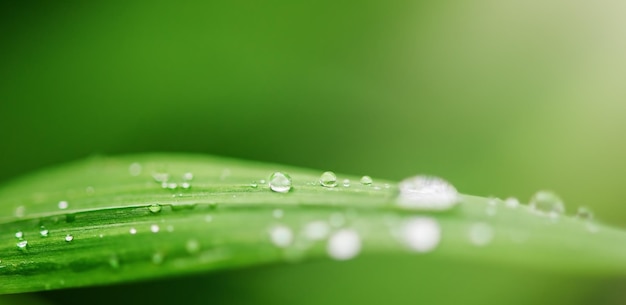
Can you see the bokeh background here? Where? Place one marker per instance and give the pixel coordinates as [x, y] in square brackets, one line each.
[501, 98]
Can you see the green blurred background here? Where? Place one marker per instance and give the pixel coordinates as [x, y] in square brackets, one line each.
[502, 98]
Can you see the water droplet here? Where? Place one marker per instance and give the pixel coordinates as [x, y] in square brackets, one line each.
[155, 208]
[185, 185]
[132, 231]
[161, 177]
[172, 185]
[547, 202]
[20, 211]
[157, 258]
[328, 179]
[584, 213]
[22, 244]
[254, 184]
[511, 202]
[192, 246]
[69, 238]
[262, 181]
[280, 182]
[346, 182]
[154, 228]
[316, 230]
[278, 213]
[344, 244]
[19, 234]
[281, 236]
[63, 205]
[134, 169]
[421, 234]
[480, 234]
[43, 232]
[366, 180]
[426, 192]
[188, 176]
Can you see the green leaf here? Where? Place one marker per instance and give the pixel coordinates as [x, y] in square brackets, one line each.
[224, 221]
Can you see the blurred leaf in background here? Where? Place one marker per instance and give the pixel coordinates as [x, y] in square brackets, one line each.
[500, 97]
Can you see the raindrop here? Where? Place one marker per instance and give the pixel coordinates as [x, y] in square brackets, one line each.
[69, 238]
[584, 213]
[281, 236]
[328, 179]
[192, 246]
[280, 182]
[63, 205]
[511, 202]
[278, 213]
[316, 230]
[155, 208]
[346, 182]
[134, 169]
[188, 176]
[480, 234]
[344, 244]
[547, 202]
[22, 244]
[262, 181]
[43, 232]
[254, 184]
[19, 234]
[421, 234]
[132, 231]
[185, 185]
[154, 228]
[366, 180]
[172, 185]
[426, 192]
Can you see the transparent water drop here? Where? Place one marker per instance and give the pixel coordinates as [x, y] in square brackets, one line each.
[154, 228]
[22, 244]
[421, 234]
[192, 246]
[63, 205]
[511, 202]
[316, 230]
[69, 238]
[132, 231]
[161, 177]
[164, 185]
[328, 179]
[281, 236]
[344, 244]
[547, 202]
[185, 185]
[366, 180]
[254, 184]
[346, 182]
[480, 234]
[262, 181]
[155, 208]
[584, 213]
[278, 213]
[19, 234]
[172, 185]
[427, 193]
[20, 211]
[188, 176]
[43, 231]
[280, 182]
[134, 169]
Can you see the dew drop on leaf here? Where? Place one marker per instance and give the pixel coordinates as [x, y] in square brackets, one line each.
[43, 232]
[328, 179]
[22, 245]
[63, 205]
[132, 231]
[344, 244]
[154, 228]
[69, 238]
[155, 208]
[316, 230]
[511, 202]
[281, 236]
[188, 176]
[346, 182]
[19, 234]
[421, 234]
[366, 180]
[427, 193]
[584, 213]
[547, 202]
[280, 182]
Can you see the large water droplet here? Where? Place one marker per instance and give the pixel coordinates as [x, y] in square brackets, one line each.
[280, 182]
[426, 192]
[22, 244]
[281, 236]
[584, 213]
[480, 234]
[155, 208]
[63, 205]
[421, 234]
[344, 244]
[366, 180]
[19, 234]
[69, 238]
[328, 179]
[547, 202]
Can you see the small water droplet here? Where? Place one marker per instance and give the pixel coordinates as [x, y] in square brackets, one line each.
[480, 234]
[584, 213]
[154, 228]
[69, 238]
[22, 244]
[421, 234]
[281, 236]
[511, 202]
[63, 205]
[278, 213]
[154, 208]
[344, 244]
[20, 211]
[157, 258]
[428, 193]
[547, 202]
[43, 231]
[161, 177]
[316, 230]
[185, 185]
[346, 182]
[172, 185]
[328, 179]
[132, 231]
[366, 180]
[188, 176]
[254, 184]
[192, 246]
[134, 169]
[280, 182]
[19, 234]
[262, 181]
